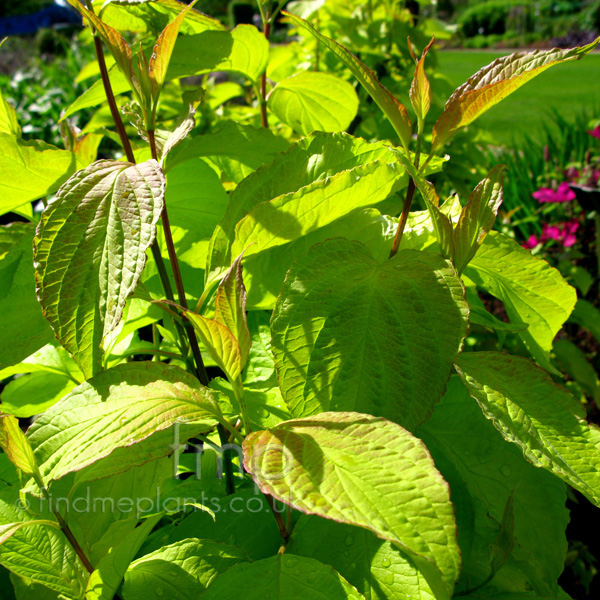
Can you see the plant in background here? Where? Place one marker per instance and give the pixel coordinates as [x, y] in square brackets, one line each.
[256, 299]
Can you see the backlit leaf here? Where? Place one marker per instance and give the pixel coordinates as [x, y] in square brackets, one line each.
[358, 469]
[495, 82]
[538, 415]
[350, 333]
[532, 291]
[8, 118]
[163, 49]
[420, 89]
[281, 577]
[92, 241]
[387, 102]
[478, 217]
[120, 409]
[15, 445]
[311, 101]
[31, 170]
[180, 571]
[23, 329]
[230, 307]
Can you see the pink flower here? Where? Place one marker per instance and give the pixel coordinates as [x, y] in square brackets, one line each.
[550, 232]
[532, 242]
[568, 233]
[563, 194]
[595, 132]
[572, 174]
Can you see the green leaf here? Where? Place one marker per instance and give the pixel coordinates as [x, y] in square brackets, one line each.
[316, 160]
[478, 217]
[141, 16]
[120, 409]
[235, 148]
[484, 472]
[39, 553]
[7, 531]
[395, 359]
[310, 101]
[244, 50]
[391, 107]
[109, 573]
[31, 170]
[163, 49]
[295, 215]
[8, 118]
[358, 469]
[230, 307]
[90, 251]
[195, 197]
[243, 519]
[282, 577]
[533, 292]
[540, 416]
[16, 446]
[180, 571]
[420, 89]
[375, 567]
[264, 273]
[23, 329]
[220, 343]
[493, 83]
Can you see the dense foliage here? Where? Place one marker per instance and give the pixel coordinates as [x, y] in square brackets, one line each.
[250, 377]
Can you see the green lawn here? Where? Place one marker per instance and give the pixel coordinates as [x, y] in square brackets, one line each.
[568, 87]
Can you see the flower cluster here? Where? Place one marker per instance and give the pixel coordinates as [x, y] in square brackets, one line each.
[562, 232]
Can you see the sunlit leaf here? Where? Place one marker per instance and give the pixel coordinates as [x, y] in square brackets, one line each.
[92, 241]
[495, 82]
[358, 469]
[538, 415]
[420, 88]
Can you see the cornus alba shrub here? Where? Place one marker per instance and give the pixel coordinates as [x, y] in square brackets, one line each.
[351, 446]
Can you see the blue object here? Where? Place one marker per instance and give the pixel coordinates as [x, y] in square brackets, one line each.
[47, 17]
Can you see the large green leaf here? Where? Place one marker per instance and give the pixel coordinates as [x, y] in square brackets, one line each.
[377, 568]
[31, 170]
[90, 251]
[318, 160]
[291, 216]
[243, 50]
[495, 82]
[281, 577]
[39, 553]
[180, 571]
[485, 474]
[312, 101]
[109, 573]
[387, 102]
[350, 333]
[140, 16]
[8, 118]
[359, 469]
[264, 273]
[120, 409]
[23, 329]
[542, 417]
[235, 148]
[533, 292]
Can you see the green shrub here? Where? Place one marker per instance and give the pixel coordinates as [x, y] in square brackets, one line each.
[496, 16]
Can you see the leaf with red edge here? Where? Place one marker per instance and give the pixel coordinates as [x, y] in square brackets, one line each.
[495, 82]
[420, 89]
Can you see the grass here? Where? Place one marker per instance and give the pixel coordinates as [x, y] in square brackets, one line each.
[567, 87]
